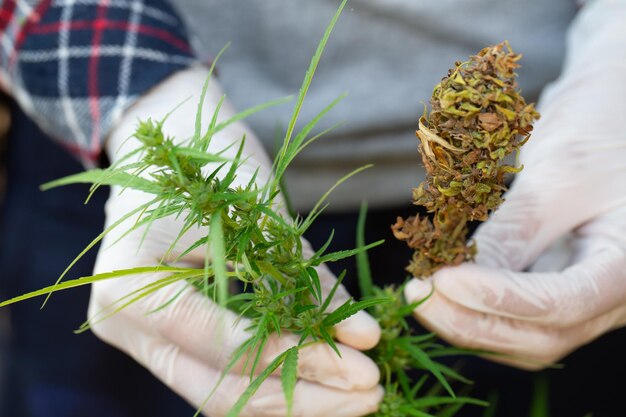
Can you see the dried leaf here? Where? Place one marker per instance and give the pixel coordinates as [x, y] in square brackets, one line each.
[477, 118]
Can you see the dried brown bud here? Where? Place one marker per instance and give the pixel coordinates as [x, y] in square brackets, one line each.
[477, 118]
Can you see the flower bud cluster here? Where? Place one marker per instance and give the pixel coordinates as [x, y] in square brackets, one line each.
[478, 117]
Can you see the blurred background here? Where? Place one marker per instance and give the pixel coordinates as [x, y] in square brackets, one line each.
[5, 119]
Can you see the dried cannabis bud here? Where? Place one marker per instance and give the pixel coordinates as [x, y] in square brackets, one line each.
[478, 117]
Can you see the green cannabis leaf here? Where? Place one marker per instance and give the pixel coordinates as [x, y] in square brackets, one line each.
[414, 381]
[289, 376]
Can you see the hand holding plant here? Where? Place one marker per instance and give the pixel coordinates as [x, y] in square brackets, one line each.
[189, 343]
[572, 190]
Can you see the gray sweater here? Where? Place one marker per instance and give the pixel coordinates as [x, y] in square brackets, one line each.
[387, 54]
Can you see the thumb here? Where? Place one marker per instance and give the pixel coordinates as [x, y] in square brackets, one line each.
[529, 221]
[590, 286]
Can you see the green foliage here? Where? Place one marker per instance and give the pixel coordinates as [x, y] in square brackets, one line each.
[366, 283]
[289, 376]
[406, 360]
[256, 384]
[539, 405]
[216, 238]
[492, 398]
[94, 278]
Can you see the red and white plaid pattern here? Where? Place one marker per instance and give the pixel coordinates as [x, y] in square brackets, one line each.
[75, 65]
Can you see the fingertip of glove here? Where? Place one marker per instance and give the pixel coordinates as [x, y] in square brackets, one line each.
[417, 289]
[359, 403]
[379, 393]
[354, 371]
[370, 402]
[467, 278]
[360, 331]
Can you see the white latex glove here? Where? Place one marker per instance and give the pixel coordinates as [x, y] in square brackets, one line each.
[573, 182]
[189, 343]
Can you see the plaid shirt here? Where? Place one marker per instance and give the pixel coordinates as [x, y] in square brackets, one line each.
[75, 65]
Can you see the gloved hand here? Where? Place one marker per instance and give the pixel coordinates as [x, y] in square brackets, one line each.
[189, 343]
[573, 184]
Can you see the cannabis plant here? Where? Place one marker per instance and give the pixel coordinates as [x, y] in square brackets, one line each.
[249, 238]
[478, 117]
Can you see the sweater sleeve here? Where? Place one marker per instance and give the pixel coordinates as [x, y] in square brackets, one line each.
[75, 65]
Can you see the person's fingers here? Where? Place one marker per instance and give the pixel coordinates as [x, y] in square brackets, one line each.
[310, 399]
[320, 363]
[212, 334]
[527, 223]
[549, 199]
[314, 400]
[593, 285]
[524, 344]
[177, 313]
[360, 331]
[195, 380]
[557, 257]
[546, 201]
[466, 328]
[573, 173]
